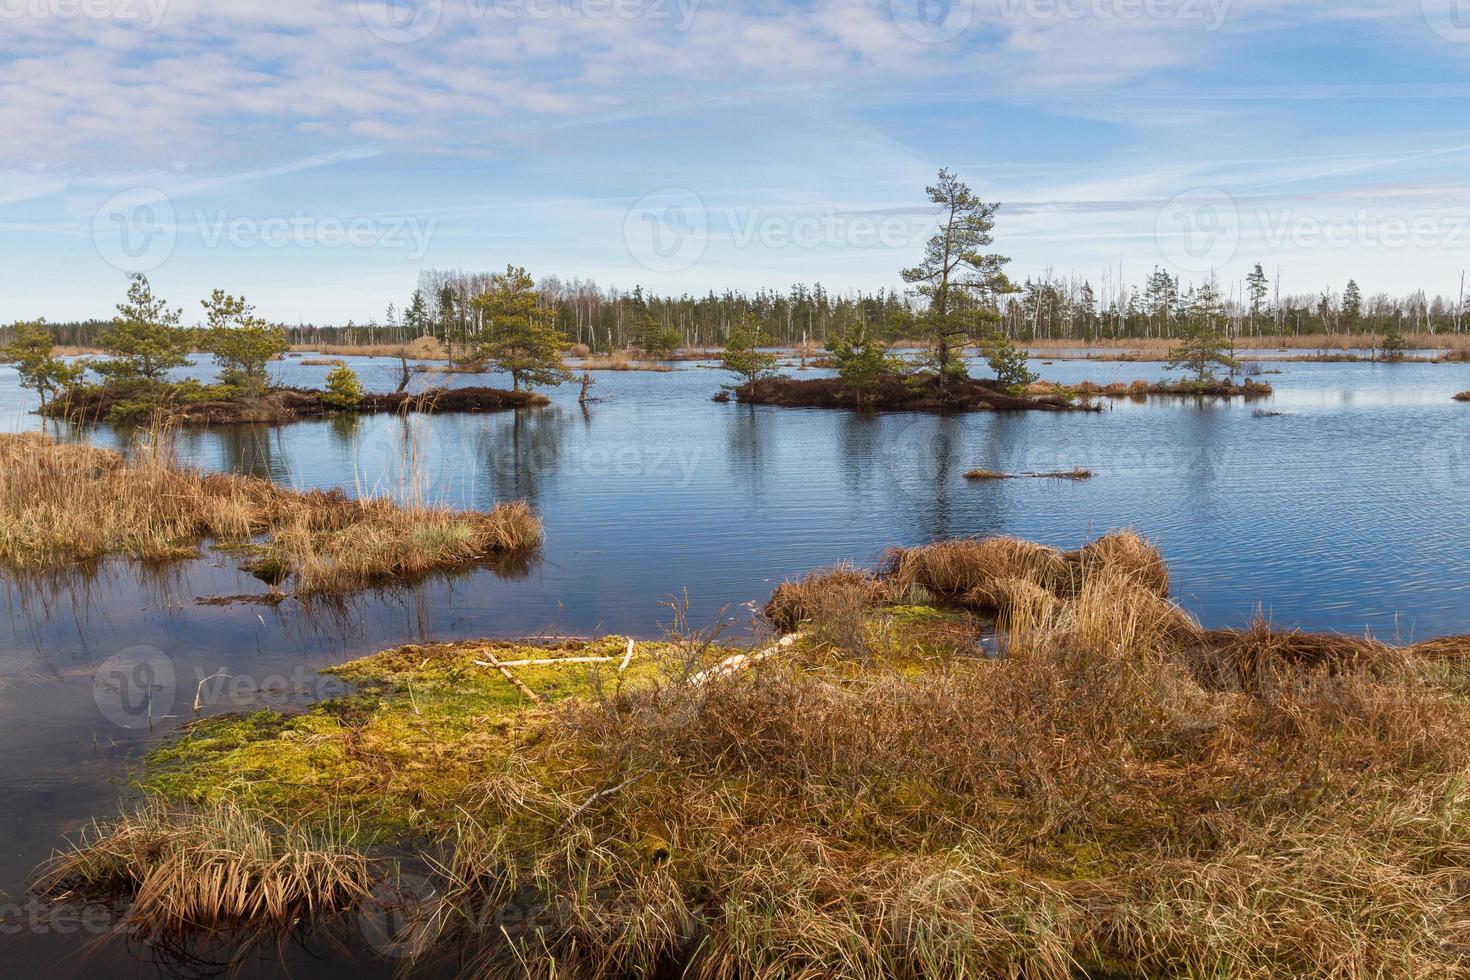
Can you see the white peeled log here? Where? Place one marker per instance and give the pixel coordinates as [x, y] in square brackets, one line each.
[742, 661]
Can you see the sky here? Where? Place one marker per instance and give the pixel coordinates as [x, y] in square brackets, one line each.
[314, 155]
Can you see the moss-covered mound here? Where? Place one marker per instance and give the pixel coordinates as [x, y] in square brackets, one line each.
[194, 404]
[897, 394]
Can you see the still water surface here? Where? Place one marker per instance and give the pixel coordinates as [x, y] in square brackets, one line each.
[1339, 503]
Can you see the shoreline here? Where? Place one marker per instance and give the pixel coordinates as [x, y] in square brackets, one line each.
[1041, 732]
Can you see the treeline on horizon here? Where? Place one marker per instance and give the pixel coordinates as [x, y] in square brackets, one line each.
[1044, 308]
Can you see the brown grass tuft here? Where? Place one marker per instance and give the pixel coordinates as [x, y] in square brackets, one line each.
[209, 869]
[62, 504]
[821, 594]
[970, 569]
[1127, 553]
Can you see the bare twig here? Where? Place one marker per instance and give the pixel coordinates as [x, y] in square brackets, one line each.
[555, 661]
[601, 795]
[520, 684]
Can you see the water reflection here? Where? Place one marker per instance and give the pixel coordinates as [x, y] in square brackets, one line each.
[1345, 512]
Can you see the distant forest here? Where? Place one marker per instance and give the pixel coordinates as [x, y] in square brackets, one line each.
[1044, 308]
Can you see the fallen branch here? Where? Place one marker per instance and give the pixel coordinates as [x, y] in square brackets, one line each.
[600, 795]
[742, 661]
[492, 662]
[627, 657]
[555, 661]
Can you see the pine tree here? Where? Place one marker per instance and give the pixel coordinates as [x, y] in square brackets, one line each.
[145, 339]
[30, 350]
[1202, 344]
[1007, 360]
[519, 335]
[656, 340]
[742, 355]
[861, 359]
[1256, 285]
[344, 390]
[1352, 304]
[960, 282]
[416, 317]
[241, 342]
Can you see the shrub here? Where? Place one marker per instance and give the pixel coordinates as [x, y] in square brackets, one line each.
[344, 390]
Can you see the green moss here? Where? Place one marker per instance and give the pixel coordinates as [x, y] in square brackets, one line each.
[399, 753]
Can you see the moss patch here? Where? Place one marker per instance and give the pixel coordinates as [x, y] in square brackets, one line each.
[397, 754]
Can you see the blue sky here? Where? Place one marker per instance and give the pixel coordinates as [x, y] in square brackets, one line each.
[315, 154]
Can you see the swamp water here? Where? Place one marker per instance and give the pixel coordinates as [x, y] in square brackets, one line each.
[1338, 503]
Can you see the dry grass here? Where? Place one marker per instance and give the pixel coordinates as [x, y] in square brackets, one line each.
[1089, 806]
[211, 869]
[64, 504]
[1076, 473]
[420, 349]
[1160, 346]
[619, 361]
[821, 591]
[1125, 794]
[989, 573]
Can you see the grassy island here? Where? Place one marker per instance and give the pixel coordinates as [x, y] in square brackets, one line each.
[194, 404]
[922, 393]
[63, 505]
[989, 757]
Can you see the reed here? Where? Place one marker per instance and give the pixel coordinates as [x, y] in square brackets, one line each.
[212, 868]
[62, 504]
